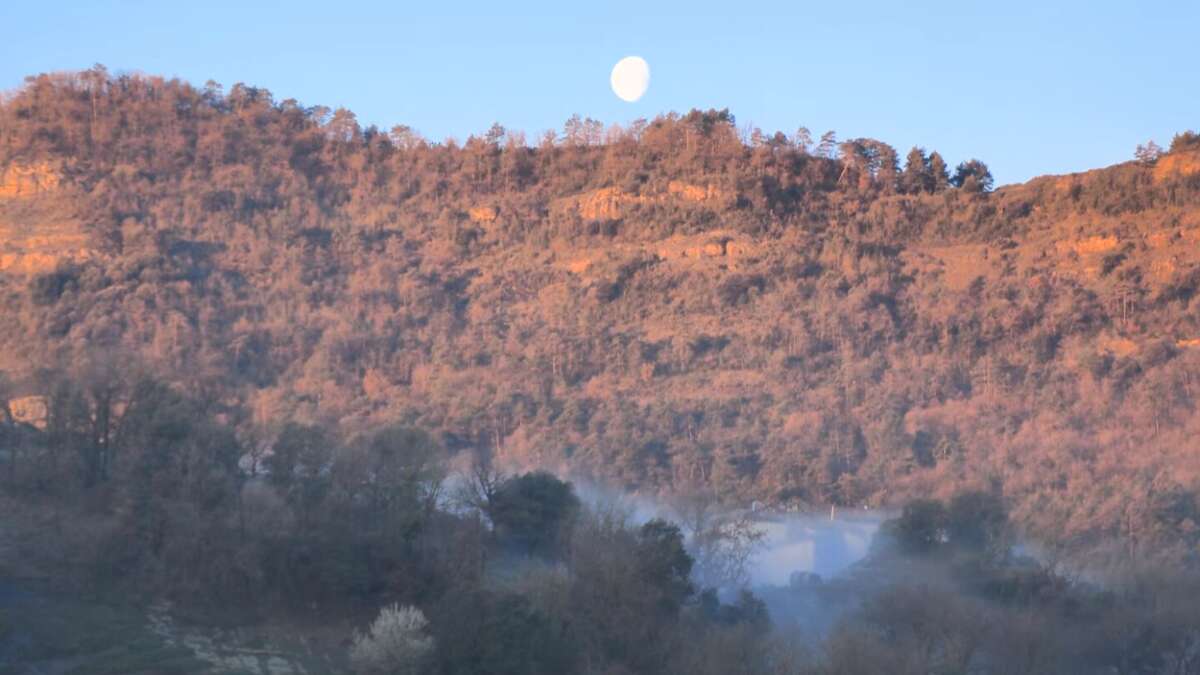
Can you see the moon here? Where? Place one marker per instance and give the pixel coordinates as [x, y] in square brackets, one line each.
[630, 77]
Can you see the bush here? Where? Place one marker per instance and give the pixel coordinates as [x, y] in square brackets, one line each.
[396, 642]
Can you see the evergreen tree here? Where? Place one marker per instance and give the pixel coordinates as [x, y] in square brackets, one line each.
[917, 176]
[972, 176]
[939, 173]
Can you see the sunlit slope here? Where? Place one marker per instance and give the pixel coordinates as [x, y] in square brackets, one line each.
[657, 306]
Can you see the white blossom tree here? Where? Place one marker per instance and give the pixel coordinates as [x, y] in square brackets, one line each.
[396, 643]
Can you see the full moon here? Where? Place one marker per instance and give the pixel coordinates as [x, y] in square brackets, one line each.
[630, 77]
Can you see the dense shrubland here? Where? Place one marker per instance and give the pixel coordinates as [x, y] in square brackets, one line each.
[674, 304]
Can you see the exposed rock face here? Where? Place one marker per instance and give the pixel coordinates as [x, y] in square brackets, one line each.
[483, 214]
[38, 225]
[38, 254]
[1090, 245]
[602, 204]
[718, 248]
[21, 180]
[716, 244]
[612, 202]
[29, 410]
[698, 193]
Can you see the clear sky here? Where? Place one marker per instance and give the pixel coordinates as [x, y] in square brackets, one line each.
[1029, 87]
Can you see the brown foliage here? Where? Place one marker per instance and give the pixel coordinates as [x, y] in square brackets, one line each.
[843, 334]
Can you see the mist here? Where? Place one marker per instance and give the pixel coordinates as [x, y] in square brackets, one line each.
[812, 543]
[793, 546]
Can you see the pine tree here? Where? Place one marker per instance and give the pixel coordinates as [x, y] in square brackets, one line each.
[917, 176]
[972, 176]
[939, 174]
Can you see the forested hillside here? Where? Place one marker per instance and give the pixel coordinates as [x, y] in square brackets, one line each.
[676, 303]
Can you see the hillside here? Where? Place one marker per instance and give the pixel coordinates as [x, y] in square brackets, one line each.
[654, 307]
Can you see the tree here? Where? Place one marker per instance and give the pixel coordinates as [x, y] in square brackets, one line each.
[938, 172]
[664, 563]
[887, 166]
[920, 528]
[1185, 140]
[706, 121]
[747, 610]
[495, 135]
[343, 126]
[803, 139]
[180, 473]
[827, 145]
[868, 163]
[298, 465]
[298, 449]
[1148, 153]
[392, 478]
[534, 511]
[978, 521]
[405, 138]
[579, 131]
[972, 176]
[721, 541]
[479, 485]
[505, 632]
[917, 176]
[395, 644]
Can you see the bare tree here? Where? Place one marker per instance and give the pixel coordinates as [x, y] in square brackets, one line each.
[722, 541]
[803, 139]
[405, 138]
[827, 145]
[1148, 153]
[478, 486]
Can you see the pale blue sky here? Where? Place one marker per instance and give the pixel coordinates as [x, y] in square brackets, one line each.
[1029, 87]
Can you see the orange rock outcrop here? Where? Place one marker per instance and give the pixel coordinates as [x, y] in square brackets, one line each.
[20, 180]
